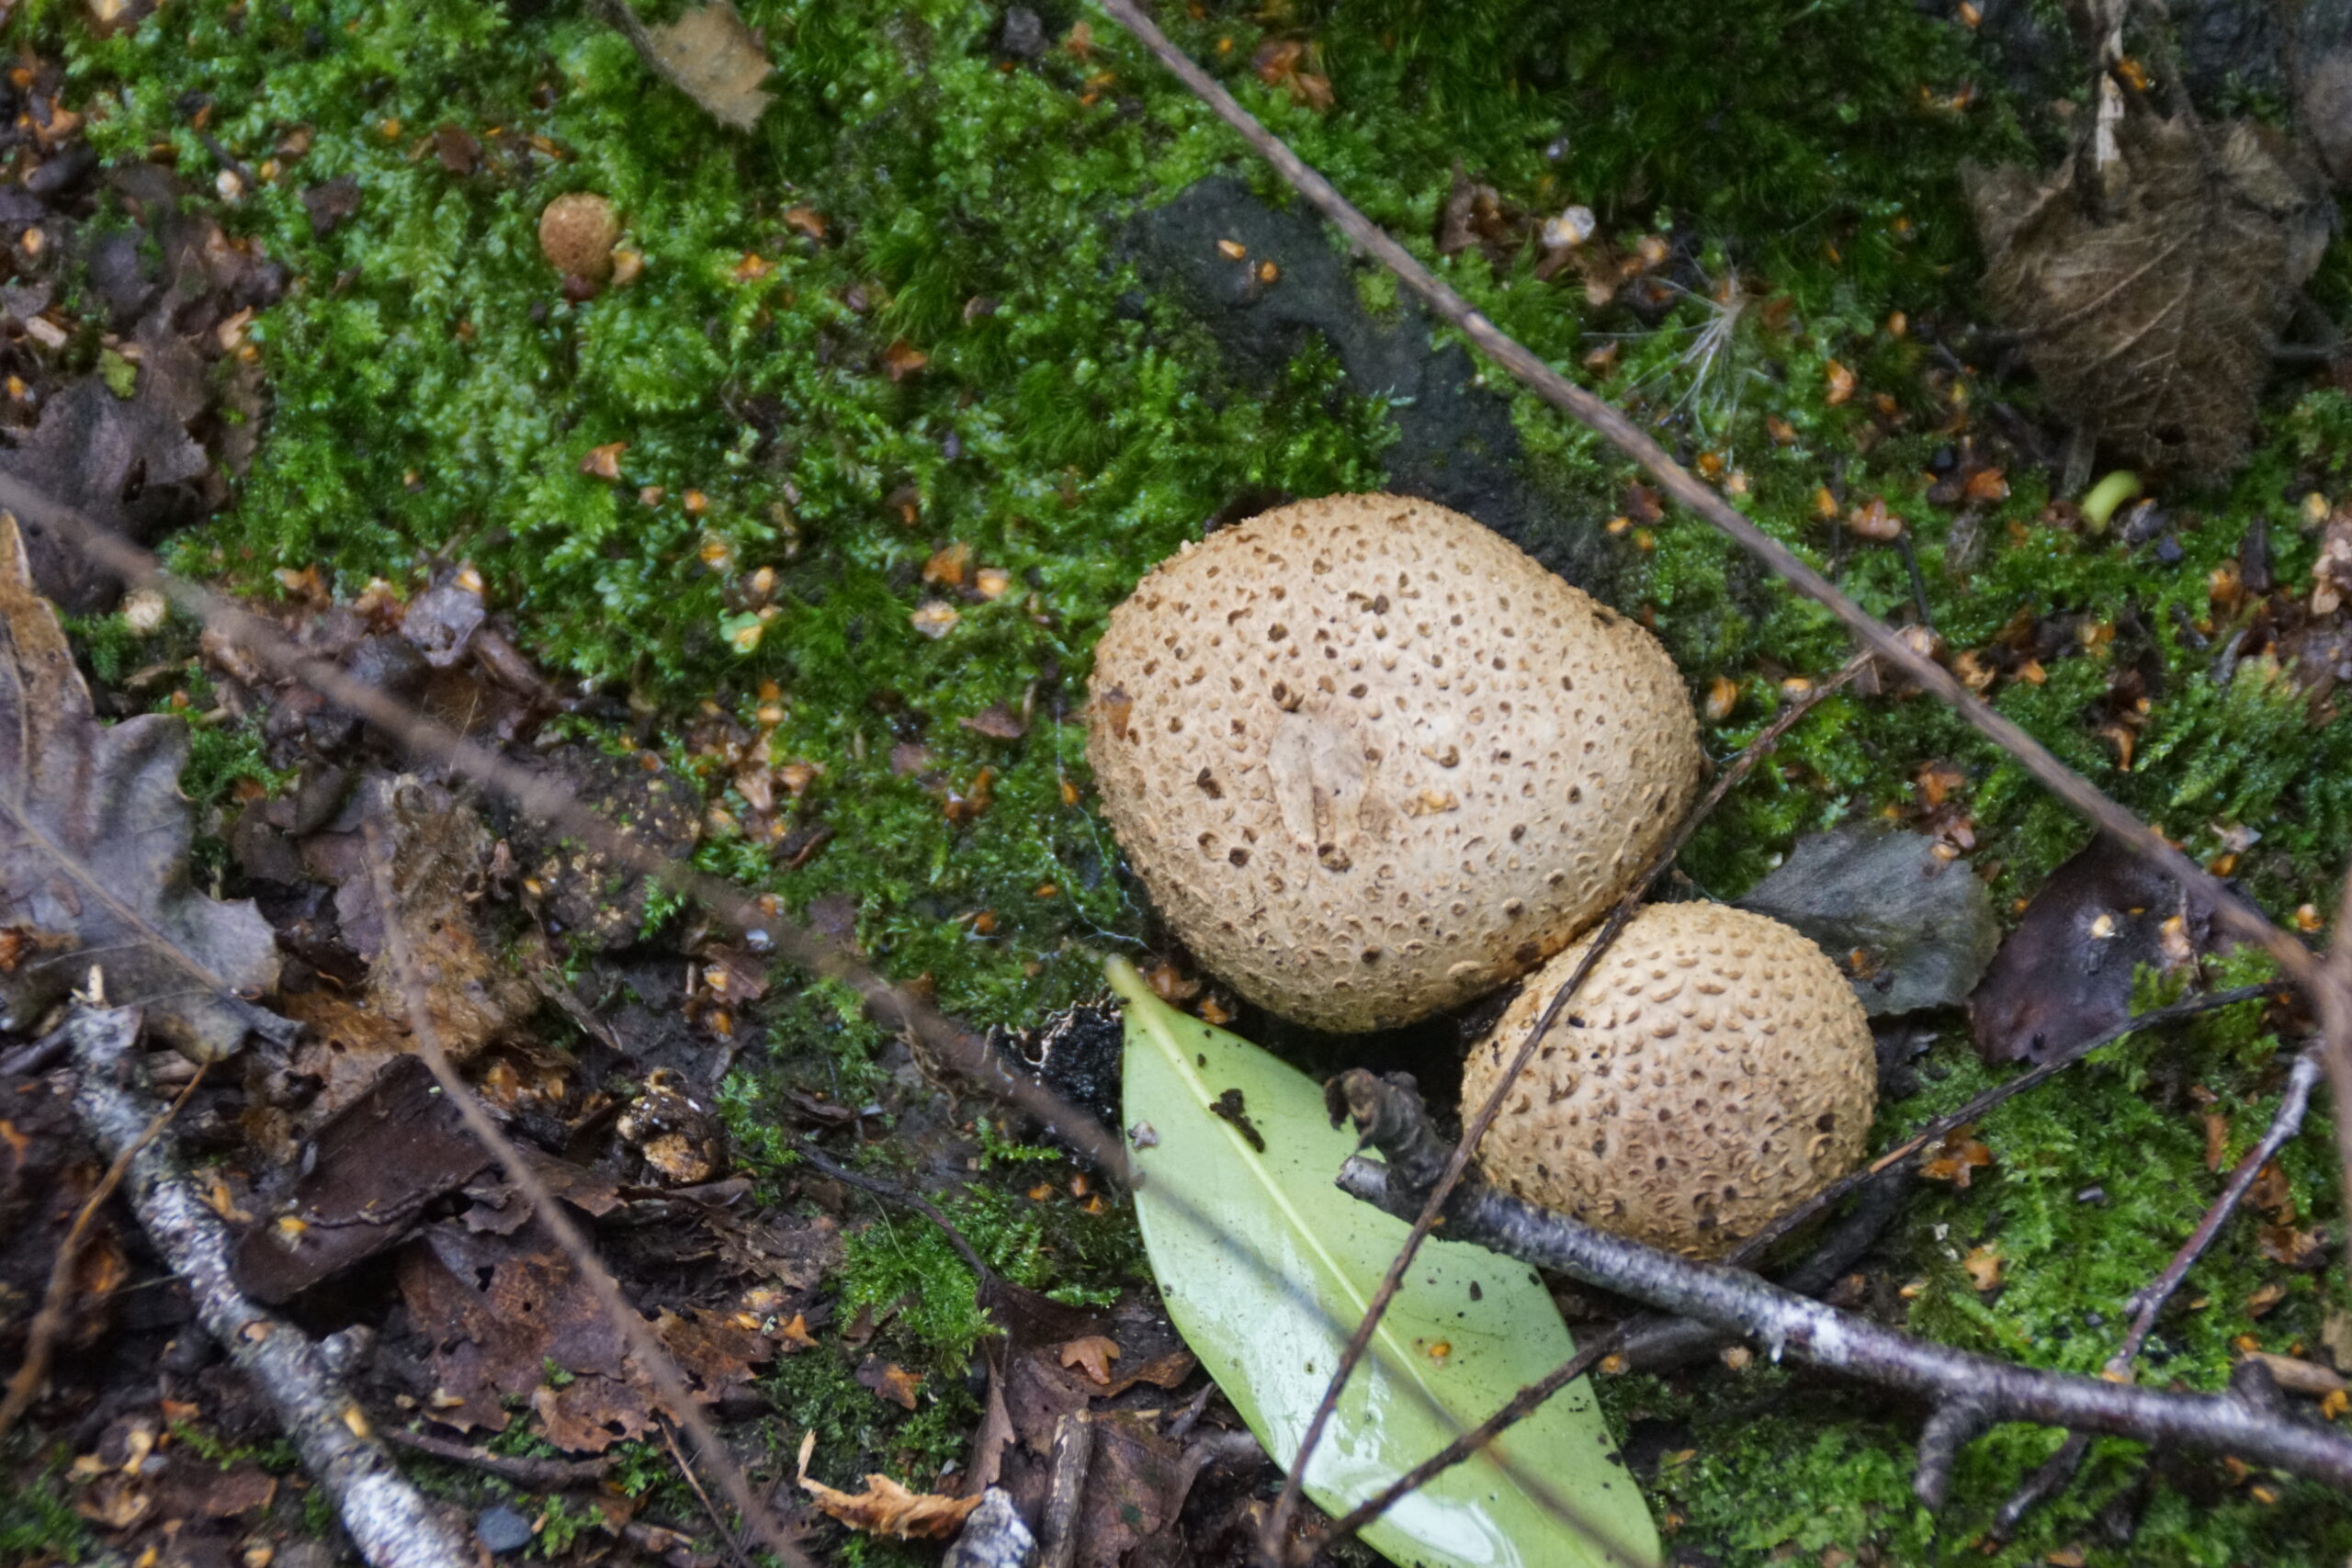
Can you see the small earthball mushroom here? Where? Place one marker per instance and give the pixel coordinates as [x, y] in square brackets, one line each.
[1370, 760]
[577, 233]
[1714, 1070]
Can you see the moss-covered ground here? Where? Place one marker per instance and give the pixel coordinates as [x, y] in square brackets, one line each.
[888, 339]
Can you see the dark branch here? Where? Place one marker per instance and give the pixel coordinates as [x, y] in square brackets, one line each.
[1784, 1323]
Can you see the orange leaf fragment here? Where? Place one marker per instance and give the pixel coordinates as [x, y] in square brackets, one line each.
[886, 1508]
[1984, 1266]
[1988, 485]
[1093, 1355]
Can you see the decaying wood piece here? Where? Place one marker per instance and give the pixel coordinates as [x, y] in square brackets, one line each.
[1073, 1457]
[391, 1525]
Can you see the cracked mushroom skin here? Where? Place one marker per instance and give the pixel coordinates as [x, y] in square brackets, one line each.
[1714, 1070]
[1370, 760]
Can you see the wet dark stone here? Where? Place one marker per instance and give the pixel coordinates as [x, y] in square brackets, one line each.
[1456, 445]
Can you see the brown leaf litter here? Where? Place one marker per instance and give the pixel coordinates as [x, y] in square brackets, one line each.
[2151, 272]
[2064, 975]
[93, 853]
[152, 450]
[885, 1507]
[440, 853]
[510, 1318]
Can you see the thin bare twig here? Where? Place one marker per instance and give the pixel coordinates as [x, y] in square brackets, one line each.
[1642, 1341]
[539, 1474]
[41, 1340]
[390, 1523]
[2332, 1001]
[710, 1509]
[2150, 1299]
[645, 1348]
[1277, 1526]
[1966, 1390]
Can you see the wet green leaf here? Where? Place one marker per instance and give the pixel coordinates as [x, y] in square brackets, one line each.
[1273, 1266]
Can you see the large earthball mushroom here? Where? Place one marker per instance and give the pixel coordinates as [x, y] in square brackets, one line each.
[1370, 760]
[1713, 1071]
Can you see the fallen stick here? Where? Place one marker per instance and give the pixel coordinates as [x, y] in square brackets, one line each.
[391, 1525]
[1967, 1393]
[538, 1474]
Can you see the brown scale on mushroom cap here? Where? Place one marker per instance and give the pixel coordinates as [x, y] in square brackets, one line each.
[1372, 759]
[1714, 1070]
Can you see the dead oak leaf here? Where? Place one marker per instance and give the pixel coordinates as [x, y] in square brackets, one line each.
[2151, 274]
[885, 1507]
[93, 851]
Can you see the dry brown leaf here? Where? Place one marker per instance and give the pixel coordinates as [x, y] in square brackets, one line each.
[1093, 1355]
[885, 1507]
[2151, 274]
[709, 55]
[1956, 1158]
[94, 852]
[891, 1381]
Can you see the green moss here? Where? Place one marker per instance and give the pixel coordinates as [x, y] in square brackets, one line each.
[38, 1523]
[434, 397]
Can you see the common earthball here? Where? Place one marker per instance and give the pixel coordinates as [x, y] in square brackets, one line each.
[577, 233]
[1713, 1071]
[1370, 760]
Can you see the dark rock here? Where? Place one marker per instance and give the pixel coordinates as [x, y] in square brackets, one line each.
[1022, 36]
[1911, 929]
[1456, 445]
[65, 174]
[501, 1531]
